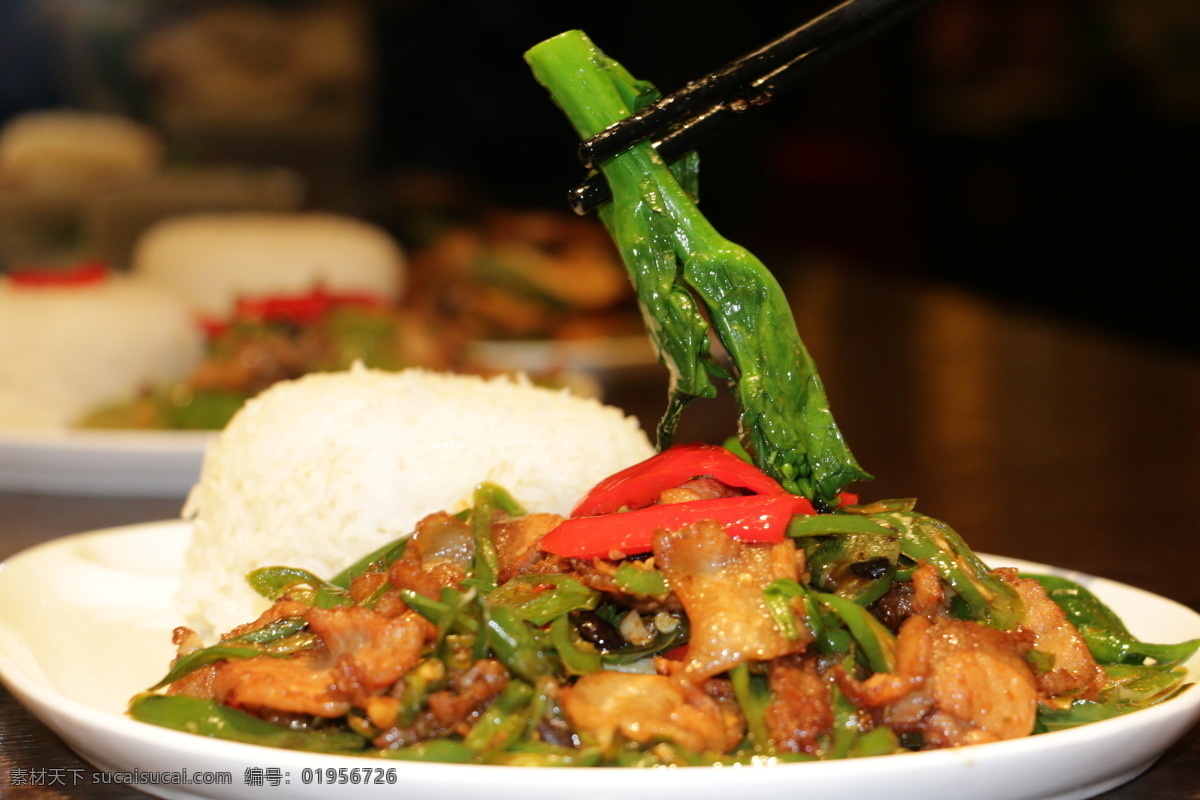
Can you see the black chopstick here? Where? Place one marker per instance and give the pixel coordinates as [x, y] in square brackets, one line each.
[709, 104]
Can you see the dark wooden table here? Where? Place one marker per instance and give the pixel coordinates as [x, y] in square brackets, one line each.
[1034, 438]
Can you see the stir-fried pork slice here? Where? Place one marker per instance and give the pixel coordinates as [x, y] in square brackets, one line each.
[800, 713]
[720, 582]
[361, 654]
[649, 708]
[1075, 671]
[955, 683]
[379, 649]
[517, 543]
[301, 684]
[439, 554]
[199, 682]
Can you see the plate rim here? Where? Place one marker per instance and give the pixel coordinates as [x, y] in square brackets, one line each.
[50, 707]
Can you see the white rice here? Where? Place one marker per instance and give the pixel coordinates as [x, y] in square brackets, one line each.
[318, 472]
[66, 350]
[212, 259]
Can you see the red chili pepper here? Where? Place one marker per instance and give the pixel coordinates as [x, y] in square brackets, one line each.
[750, 518]
[82, 274]
[300, 309]
[641, 484]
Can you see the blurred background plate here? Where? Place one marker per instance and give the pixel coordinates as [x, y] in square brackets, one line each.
[105, 463]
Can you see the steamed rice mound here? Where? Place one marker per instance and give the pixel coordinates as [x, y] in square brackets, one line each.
[213, 259]
[317, 472]
[65, 351]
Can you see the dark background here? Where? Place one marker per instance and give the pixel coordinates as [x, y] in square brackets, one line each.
[1041, 151]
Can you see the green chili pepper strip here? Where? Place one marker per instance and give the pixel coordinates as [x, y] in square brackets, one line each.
[246, 645]
[299, 584]
[877, 642]
[845, 732]
[416, 685]
[823, 524]
[578, 658]
[1106, 635]
[990, 600]
[541, 598]
[1130, 687]
[207, 718]
[832, 561]
[503, 720]
[753, 696]
[447, 751]
[674, 255]
[383, 556]
[829, 638]
[540, 754]
[515, 643]
[1140, 686]
[488, 500]
[881, 741]
[194, 661]
[778, 596]
[444, 614]
[639, 581]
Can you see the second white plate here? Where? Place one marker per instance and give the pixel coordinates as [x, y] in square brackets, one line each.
[99, 462]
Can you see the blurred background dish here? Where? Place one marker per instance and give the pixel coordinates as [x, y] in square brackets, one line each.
[70, 342]
[526, 275]
[1022, 149]
[1025, 150]
[213, 260]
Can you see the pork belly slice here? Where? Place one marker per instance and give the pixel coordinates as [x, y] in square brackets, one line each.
[647, 708]
[720, 582]
[956, 683]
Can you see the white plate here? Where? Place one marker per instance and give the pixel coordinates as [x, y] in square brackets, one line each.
[85, 623]
[114, 463]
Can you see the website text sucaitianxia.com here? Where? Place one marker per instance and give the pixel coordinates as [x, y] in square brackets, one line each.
[250, 776]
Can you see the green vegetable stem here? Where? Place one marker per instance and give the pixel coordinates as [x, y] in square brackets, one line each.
[678, 262]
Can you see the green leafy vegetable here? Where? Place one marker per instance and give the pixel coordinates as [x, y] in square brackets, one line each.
[682, 268]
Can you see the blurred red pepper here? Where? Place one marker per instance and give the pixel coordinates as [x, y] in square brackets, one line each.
[641, 484]
[750, 518]
[82, 274]
[299, 309]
